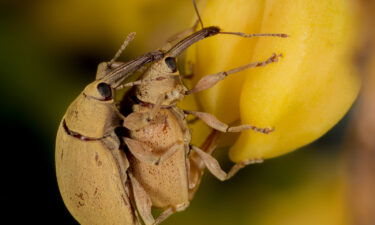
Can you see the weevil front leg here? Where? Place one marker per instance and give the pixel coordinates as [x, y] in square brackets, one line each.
[209, 81]
[144, 153]
[113, 144]
[216, 124]
[214, 167]
[138, 120]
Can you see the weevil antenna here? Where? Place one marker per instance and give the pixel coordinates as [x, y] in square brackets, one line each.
[197, 11]
[128, 39]
[256, 35]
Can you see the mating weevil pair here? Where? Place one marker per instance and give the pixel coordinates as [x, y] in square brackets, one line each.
[105, 178]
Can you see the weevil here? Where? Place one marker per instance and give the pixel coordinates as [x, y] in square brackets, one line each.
[164, 168]
[100, 182]
[89, 164]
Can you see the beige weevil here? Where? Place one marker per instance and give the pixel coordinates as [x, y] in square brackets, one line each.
[90, 167]
[164, 168]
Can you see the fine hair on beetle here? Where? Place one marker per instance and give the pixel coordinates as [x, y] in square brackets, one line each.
[114, 163]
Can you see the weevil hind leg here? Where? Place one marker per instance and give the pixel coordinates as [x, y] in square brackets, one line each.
[201, 158]
[142, 201]
[144, 153]
[195, 164]
[169, 211]
[214, 167]
[144, 204]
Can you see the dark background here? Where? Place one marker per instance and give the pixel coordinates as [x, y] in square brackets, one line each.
[49, 52]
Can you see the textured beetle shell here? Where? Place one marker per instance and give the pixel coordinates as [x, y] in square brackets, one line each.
[90, 118]
[167, 183]
[88, 175]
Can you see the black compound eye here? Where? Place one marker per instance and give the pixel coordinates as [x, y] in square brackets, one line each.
[171, 63]
[105, 90]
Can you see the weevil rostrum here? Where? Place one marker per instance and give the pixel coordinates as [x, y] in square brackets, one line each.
[107, 178]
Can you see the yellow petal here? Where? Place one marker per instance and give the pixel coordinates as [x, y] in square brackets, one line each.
[303, 95]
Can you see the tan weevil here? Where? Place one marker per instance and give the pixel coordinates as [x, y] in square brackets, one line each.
[163, 170]
[103, 184]
[88, 157]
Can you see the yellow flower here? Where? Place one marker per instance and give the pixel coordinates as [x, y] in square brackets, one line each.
[303, 95]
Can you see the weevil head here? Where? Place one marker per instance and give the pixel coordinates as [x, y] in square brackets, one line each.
[161, 79]
[102, 70]
[100, 91]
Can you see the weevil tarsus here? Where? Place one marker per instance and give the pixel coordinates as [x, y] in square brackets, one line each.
[216, 124]
[170, 211]
[214, 167]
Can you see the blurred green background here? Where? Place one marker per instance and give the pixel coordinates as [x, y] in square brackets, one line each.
[50, 51]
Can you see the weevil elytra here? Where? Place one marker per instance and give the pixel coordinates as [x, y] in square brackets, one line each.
[102, 183]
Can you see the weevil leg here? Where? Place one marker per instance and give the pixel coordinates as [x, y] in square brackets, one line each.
[196, 165]
[169, 211]
[138, 120]
[209, 81]
[144, 153]
[214, 167]
[216, 124]
[142, 201]
[113, 144]
[129, 84]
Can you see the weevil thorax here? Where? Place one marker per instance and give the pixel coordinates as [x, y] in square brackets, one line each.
[91, 114]
[161, 79]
